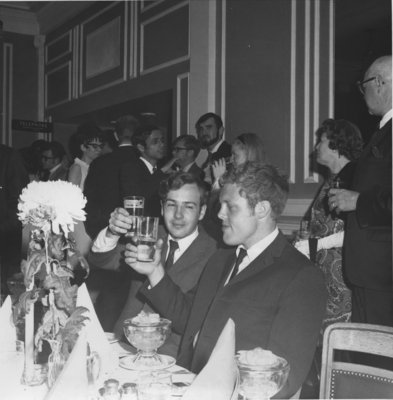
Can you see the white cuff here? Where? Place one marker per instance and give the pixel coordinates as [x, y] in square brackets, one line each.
[104, 243]
[334, 240]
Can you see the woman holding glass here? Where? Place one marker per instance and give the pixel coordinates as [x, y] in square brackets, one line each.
[339, 144]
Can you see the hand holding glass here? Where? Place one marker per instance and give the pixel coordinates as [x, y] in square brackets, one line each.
[134, 206]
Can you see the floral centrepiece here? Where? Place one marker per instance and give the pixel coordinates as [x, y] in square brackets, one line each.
[51, 209]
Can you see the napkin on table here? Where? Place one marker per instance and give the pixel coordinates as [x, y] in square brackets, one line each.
[217, 379]
[8, 330]
[95, 335]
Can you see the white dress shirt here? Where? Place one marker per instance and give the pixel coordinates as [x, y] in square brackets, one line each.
[149, 166]
[183, 243]
[385, 119]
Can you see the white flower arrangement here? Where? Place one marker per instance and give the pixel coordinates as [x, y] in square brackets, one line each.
[51, 205]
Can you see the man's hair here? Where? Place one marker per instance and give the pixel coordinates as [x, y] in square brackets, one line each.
[56, 148]
[126, 126]
[343, 136]
[190, 142]
[260, 182]
[205, 117]
[142, 133]
[178, 179]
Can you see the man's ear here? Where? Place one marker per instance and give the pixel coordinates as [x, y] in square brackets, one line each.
[202, 212]
[263, 209]
[140, 148]
[220, 132]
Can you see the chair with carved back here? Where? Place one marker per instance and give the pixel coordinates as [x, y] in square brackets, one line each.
[346, 380]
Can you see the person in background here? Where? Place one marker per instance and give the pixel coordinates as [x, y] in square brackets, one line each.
[110, 141]
[210, 131]
[143, 177]
[85, 146]
[32, 159]
[103, 188]
[186, 250]
[274, 294]
[368, 202]
[246, 147]
[54, 162]
[339, 145]
[13, 178]
[185, 150]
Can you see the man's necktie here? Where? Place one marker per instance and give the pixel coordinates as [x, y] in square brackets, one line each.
[207, 162]
[173, 246]
[239, 259]
[154, 169]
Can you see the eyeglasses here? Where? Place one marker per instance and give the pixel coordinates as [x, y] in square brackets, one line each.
[179, 148]
[361, 83]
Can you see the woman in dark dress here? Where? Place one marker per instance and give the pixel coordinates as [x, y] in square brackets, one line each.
[339, 144]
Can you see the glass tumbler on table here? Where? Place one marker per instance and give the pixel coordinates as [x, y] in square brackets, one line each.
[134, 206]
[261, 382]
[146, 238]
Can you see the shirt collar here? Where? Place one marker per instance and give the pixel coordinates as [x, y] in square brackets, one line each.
[56, 167]
[148, 165]
[386, 118]
[256, 249]
[187, 167]
[218, 144]
[185, 242]
[125, 145]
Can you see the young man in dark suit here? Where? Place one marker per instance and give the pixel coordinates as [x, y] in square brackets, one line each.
[103, 188]
[186, 247]
[273, 293]
[143, 177]
[368, 234]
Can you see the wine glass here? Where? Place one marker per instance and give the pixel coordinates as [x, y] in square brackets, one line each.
[261, 382]
[147, 337]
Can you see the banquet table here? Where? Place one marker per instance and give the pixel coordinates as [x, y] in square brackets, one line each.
[12, 389]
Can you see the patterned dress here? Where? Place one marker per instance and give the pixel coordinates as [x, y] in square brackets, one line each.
[325, 223]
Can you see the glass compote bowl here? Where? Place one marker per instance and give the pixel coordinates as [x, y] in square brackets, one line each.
[147, 337]
[261, 382]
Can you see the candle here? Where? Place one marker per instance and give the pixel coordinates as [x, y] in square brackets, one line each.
[29, 342]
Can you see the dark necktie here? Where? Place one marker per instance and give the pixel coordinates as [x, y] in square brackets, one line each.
[207, 161]
[239, 259]
[154, 169]
[173, 246]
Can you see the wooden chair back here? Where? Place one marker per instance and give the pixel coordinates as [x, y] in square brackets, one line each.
[345, 380]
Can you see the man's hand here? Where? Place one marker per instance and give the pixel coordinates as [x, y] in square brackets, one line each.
[342, 200]
[119, 223]
[153, 270]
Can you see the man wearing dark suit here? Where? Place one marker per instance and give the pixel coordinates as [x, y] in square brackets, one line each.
[185, 251]
[54, 163]
[142, 178]
[13, 178]
[368, 234]
[185, 150]
[210, 130]
[103, 189]
[274, 294]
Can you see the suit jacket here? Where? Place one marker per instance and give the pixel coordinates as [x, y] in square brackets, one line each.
[13, 178]
[185, 273]
[368, 236]
[277, 303]
[136, 180]
[225, 150]
[196, 171]
[103, 189]
[60, 173]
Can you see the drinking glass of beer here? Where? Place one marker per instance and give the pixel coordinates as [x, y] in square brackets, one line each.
[146, 238]
[134, 206]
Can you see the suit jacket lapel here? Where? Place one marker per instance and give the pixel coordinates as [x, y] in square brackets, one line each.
[265, 259]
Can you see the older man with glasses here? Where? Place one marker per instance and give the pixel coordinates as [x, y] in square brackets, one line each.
[368, 236]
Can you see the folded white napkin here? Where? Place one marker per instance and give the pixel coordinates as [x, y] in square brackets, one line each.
[7, 331]
[217, 379]
[95, 335]
[72, 382]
